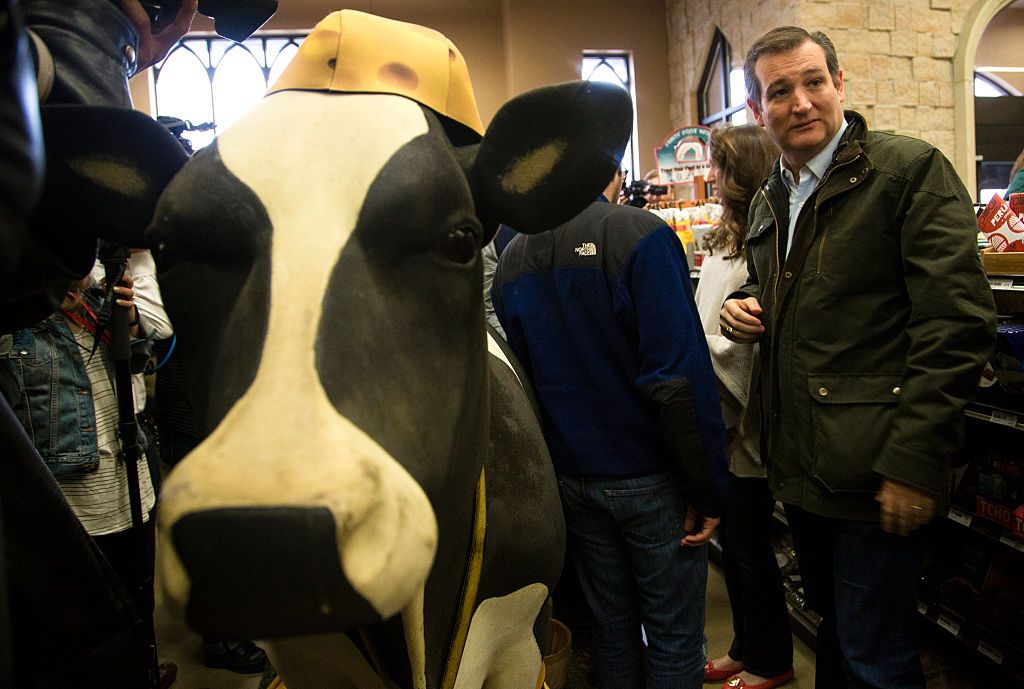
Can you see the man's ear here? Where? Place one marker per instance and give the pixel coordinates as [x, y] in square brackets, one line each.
[548, 153]
[755, 108]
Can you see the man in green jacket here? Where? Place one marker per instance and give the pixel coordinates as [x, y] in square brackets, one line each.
[875, 319]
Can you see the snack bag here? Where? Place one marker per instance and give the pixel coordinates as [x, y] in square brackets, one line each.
[1003, 227]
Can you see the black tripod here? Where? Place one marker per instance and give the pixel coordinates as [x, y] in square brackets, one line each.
[115, 258]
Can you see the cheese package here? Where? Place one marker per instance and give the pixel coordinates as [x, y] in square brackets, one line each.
[1003, 228]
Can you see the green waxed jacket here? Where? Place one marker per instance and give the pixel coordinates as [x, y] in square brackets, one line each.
[877, 326]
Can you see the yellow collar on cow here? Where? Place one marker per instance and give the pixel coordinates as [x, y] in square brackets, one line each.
[355, 52]
[470, 584]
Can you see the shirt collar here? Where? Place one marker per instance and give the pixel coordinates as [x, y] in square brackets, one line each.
[818, 165]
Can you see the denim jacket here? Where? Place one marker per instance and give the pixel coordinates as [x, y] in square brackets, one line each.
[42, 375]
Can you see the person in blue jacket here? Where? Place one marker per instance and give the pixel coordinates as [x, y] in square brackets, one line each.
[600, 312]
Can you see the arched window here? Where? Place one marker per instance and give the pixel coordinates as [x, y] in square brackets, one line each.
[615, 68]
[215, 80]
[987, 86]
[722, 94]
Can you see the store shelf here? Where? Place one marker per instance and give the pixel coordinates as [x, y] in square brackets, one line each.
[983, 527]
[1009, 659]
[996, 415]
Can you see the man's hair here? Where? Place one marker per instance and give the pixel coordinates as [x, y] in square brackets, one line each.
[782, 40]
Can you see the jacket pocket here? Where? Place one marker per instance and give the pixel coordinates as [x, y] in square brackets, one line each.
[852, 416]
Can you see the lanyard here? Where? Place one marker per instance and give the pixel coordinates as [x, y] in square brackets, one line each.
[88, 324]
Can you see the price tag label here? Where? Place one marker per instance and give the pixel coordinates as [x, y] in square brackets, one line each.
[990, 652]
[949, 624]
[922, 608]
[1006, 539]
[960, 517]
[1001, 283]
[1003, 418]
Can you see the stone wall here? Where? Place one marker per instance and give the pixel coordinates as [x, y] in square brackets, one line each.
[896, 55]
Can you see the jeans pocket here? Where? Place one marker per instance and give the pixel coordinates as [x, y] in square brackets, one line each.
[651, 513]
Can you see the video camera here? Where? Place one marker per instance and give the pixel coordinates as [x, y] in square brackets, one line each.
[638, 190]
[234, 19]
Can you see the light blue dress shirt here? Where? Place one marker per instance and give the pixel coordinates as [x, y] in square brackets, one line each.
[811, 175]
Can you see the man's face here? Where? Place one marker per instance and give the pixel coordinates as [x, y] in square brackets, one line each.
[800, 108]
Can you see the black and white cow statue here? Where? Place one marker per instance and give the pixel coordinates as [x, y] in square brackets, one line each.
[373, 495]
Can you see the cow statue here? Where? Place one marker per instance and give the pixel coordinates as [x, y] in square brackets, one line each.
[374, 495]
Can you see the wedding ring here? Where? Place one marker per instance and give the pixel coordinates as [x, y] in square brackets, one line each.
[728, 329]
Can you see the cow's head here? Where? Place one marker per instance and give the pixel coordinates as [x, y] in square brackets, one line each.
[325, 284]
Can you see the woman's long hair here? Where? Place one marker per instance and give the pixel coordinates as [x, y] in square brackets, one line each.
[743, 157]
[1017, 165]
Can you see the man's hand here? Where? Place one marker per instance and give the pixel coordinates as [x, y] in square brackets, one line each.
[740, 320]
[153, 47]
[904, 509]
[707, 529]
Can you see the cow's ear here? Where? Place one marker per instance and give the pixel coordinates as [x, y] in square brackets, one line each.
[548, 153]
[105, 170]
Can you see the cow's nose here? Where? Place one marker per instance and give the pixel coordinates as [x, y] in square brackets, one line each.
[244, 503]
[266, 572]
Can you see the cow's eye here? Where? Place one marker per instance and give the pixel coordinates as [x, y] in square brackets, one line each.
[461, 245]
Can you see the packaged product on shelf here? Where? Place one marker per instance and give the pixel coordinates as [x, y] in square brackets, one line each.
[1003, 227]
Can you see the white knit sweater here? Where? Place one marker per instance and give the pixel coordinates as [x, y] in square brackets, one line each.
[736, 366]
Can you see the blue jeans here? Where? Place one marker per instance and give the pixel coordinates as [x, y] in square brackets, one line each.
[624, 540]
[863, 582]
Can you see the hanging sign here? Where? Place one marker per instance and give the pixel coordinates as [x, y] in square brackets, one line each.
[684, 155]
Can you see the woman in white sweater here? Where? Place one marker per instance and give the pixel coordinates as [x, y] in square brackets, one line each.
[761, 655]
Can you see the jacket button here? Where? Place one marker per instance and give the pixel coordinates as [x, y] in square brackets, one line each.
[129, 54]
[897, 391]
[23, 353]
[788, 274]
[823, 392]
[852, 180]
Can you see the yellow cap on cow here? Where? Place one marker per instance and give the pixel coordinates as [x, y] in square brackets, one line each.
[351, 51]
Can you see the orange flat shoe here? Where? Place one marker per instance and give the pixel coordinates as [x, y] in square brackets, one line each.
[714, 674]
[770, 683]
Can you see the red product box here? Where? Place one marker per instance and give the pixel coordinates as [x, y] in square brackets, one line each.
[1003, 515]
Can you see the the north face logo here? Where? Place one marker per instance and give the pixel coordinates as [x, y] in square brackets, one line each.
[587, 249]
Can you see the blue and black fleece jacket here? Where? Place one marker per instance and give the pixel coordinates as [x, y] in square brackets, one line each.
[600, 312]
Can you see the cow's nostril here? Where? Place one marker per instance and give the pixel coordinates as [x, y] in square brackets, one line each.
[266, 572]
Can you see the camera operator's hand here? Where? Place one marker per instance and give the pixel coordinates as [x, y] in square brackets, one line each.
[153, 47]
[125, 298]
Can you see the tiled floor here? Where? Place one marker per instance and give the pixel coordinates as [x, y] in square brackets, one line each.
[182, 646]
[718, 630]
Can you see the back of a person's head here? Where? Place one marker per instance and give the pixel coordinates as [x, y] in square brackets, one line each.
[743, 157]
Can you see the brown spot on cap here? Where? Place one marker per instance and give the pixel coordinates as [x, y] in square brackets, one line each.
[399, 75]
[332, 63]
[451, 55]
